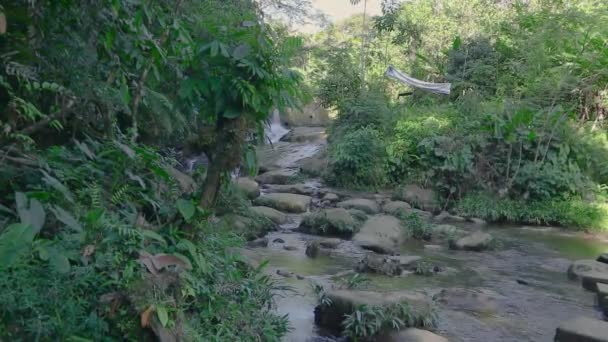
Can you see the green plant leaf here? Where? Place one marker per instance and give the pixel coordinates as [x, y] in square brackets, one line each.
[66, 218]
[59, 262]
[186, 208]
[15, 241]
[153, 235]
[163, 315]
[31, 213]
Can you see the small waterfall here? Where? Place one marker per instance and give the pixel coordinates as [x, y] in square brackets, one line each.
[275, 130]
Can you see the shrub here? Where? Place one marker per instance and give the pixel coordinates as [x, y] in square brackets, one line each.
[368, 321]
[573, 212]
[357, 160]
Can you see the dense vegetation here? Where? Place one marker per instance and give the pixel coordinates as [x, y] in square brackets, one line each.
[524, 124]
[101, 237]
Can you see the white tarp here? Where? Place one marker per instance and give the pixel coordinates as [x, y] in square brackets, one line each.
[437, 88]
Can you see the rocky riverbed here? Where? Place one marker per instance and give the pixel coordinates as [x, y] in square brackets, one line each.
[483, 282]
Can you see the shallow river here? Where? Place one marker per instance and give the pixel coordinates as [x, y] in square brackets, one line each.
[517, 292]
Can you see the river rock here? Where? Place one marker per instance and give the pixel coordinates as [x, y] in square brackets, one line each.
[290, 203]
[582, 329]
[387, 265]
[247, 227]
[381, 232]
[344, 302]
[314, 166]
[273, 215]
[334, 221]
[603, 258]
[418, 197]
[249, 187]
[314, 249]
[411, 335]
[446, 231]
[590, 272]
[331, 197]
[602, 297]
[478, 241]
[300, 189]
[285, 274]
[276, 177]
[330, 243]
[470, 299]
[395, 207]
[445, 217]
[368, 206]
[257, 243]
[290, 248]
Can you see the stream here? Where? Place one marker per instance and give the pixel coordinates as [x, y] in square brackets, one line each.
[516, 292]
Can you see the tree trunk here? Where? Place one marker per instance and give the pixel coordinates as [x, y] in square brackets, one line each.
[225, 156]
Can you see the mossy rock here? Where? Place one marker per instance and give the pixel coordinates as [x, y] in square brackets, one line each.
[332, 222]
[290, 203]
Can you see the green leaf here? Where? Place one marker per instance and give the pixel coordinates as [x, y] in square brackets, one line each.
[59, 262]
[457, 43]
[15, 242]
[215, 47]
[125, 96]
[57, 185]
[241, 51]
[163, 315]
[186, 208]
[31, 213]
[146, 233]
[66, 218]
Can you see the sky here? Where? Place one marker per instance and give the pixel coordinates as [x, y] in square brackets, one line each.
[337, 10]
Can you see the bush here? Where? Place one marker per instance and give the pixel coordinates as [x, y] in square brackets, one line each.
[574, 212]
[357, 160]
[78, 269]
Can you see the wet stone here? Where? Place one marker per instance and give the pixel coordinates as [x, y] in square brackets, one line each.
[603, 258]
[290, 248]
[602, 298]
[590, 272]
[412, 335]
[582, 329]
[257, 243]
[368, 206]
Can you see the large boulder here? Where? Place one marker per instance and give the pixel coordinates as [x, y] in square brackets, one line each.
[290, 203]
[300, 189]
[603, 258]
[396, 207]
[335, 222]
[478, 241]
[273, 215]
[418, 197]
[381, 233]
[344, 302]
[368, 206]
[276, 177]
[411, 335]
[582, 329]
[314, 166]
[249, 187]
[590, 272]
[246, 226]
[445, 217]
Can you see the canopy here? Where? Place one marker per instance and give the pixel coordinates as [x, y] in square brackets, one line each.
[437, 88]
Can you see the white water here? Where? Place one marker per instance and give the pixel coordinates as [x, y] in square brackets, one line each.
[275, 130]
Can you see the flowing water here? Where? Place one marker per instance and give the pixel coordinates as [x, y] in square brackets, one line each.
[517, 292]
